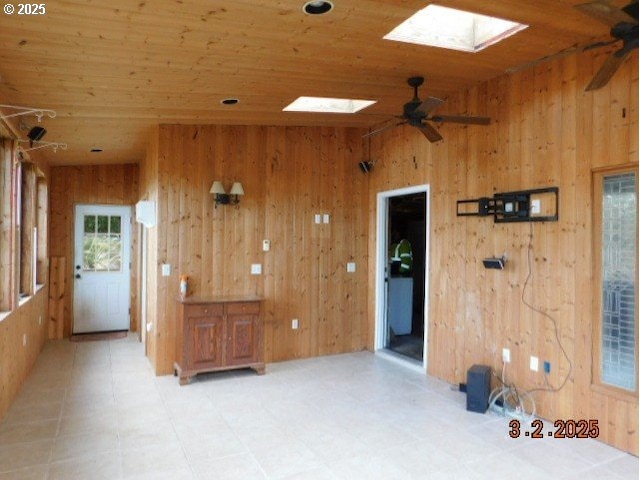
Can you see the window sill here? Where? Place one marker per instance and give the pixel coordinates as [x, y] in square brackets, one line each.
[24, 300]
[39, 287]
[4, 315]
[617, 393]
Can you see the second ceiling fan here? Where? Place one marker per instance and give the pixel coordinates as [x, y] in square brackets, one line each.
[418, 113]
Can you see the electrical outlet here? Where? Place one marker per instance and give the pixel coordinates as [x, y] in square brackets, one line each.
[166, 269]
[533, 363]
[506, 355]
[149, 326]
[317, 219]
[535, 206]
[547, 367]
[256, 269]
[351, 267]
[294, 324]
[325, 218]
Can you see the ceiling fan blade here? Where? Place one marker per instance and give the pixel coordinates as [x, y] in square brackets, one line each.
[632, 10]
[431, 103]
[561, 54]
[382, 129]
[461, 119]
[431, 133]
[606, 13]
[607, 70]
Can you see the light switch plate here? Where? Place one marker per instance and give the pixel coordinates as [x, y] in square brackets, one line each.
[351, 267]
[325, 218]
[317, 218]
[166, 269]
[256, 269]
[533, 363]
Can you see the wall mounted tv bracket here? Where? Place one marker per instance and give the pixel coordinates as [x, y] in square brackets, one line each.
[538, 205]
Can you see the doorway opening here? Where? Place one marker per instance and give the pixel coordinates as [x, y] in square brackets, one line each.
[402, 280]
[102, 265]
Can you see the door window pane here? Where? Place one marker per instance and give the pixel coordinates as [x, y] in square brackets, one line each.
[89, 223]
[103, 224]
[618, 330]
[102, 244]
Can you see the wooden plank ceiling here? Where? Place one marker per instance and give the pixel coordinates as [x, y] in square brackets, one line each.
[112, 69]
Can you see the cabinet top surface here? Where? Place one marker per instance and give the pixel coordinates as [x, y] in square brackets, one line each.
[196, 299]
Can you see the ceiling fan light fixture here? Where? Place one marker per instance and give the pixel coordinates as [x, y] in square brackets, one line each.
[317, 7]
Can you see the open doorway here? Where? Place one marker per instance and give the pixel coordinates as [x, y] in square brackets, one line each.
[402, 280]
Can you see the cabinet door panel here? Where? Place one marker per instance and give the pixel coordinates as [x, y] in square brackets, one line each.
[241, 347]
[207, 341]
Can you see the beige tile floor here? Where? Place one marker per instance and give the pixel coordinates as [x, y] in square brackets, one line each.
[95, 411]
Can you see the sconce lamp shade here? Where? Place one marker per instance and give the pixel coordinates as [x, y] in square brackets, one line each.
[236, 189]
[217, 188]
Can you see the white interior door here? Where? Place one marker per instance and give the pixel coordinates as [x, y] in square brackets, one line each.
[102, 280]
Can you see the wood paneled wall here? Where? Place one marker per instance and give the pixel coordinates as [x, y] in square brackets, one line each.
[288, 174]
[95, 184]
[7, 236]
[546, 131]
[17, 359]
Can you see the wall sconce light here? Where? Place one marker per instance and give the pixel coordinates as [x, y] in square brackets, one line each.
[224, 198]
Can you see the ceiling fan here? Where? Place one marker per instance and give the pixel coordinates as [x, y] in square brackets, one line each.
[417, 113]
[624, 26]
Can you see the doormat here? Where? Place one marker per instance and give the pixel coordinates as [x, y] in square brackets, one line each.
[94, 337]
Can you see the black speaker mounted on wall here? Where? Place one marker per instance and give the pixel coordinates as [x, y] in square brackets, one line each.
[36, 134]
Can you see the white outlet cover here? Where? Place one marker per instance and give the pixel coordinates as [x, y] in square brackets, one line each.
[166, 269]
[256, 269]
[149, 326]
[295, 324]
[326, 218]
[506, 355]
[317, 218]
[535, 206]
[266, 245]
[351, 267]
[533, 363]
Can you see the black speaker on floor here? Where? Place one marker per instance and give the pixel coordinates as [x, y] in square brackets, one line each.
[478, 388]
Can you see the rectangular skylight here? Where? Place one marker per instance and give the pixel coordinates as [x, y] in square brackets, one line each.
[327, 105]
[444, 27]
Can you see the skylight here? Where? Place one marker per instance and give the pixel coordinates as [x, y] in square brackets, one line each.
[327, 105]
[454, 29]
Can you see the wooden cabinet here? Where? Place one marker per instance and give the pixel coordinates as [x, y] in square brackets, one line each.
[218, 333]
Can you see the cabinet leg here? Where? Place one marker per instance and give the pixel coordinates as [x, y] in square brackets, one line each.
[260, 370]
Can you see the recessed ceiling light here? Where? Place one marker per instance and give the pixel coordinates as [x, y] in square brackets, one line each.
[229, 101]
[454, 29]
[327, 105]
[96, 150]
[317, 7]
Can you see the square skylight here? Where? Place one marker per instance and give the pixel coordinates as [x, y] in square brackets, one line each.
[327, 105]
[444, 27]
